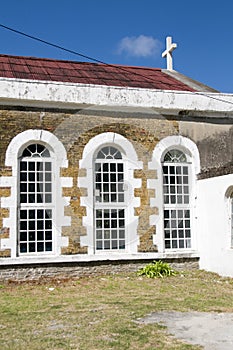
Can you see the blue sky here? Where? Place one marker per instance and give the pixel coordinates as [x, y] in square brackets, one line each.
[128, 32]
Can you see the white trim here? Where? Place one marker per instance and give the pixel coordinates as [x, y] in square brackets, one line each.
[78, 258]
[17, 144]
[191, 151]
[130, 156]
[19, 91]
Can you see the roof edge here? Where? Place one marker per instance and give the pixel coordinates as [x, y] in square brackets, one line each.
[194, 84]
[16, 90]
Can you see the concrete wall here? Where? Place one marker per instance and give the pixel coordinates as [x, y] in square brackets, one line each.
[213, 138]
[214, 225]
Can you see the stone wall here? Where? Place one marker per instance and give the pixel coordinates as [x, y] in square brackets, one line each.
[75, 128]
[81, 269]
[213, 138]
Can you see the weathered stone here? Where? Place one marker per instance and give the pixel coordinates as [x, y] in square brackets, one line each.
[76, 270]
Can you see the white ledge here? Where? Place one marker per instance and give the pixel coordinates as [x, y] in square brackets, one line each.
[57, 94]
[82, 258]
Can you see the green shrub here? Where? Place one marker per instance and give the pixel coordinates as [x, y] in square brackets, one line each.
[157, 269]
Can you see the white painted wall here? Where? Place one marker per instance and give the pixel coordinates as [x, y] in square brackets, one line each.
[214, 225]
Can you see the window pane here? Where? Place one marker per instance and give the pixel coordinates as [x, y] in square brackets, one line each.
[23, 236]
[23, 166]
[48, 166]
[40, 246]
[40, 235]
[48, 246]
[48, 235]
[32, 247]
[23, 247]
[23, 198]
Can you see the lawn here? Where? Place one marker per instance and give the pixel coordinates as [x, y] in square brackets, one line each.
[100, 312]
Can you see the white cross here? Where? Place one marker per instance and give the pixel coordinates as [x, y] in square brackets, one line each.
[168, 52]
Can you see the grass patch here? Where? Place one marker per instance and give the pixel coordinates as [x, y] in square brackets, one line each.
[99, 312]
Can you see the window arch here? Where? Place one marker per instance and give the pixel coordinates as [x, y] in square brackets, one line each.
[175, 156]
[109, 160]
[109, 152]
[176, 160]
[36, 210]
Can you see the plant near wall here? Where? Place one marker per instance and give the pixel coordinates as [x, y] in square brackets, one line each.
[157, 269]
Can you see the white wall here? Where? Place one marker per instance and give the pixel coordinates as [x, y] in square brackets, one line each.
[214, 225]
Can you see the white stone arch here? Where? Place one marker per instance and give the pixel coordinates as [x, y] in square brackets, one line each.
[22, 140]
[189, 148]
[58, 153]
[87, 182]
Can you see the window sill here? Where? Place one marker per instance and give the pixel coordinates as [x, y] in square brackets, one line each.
[81, 258]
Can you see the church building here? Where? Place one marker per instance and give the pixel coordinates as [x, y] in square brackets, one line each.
[108, 165]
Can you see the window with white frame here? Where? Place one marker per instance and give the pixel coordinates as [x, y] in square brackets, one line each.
[176, 197]
[36, 157]
[109, 199]
[177, 163]
[35, 202]
[110, 161]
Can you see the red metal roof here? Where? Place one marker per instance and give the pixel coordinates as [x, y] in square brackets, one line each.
[88, 73]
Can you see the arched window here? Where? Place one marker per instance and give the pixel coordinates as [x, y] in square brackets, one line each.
[36, 204]
[177, 163]
[109, 161]
[35, 208]
[176, 190]
[109, 199]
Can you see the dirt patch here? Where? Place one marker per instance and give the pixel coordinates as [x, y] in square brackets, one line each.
[213, 331]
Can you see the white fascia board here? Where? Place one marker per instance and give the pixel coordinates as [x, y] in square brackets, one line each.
[68, 95]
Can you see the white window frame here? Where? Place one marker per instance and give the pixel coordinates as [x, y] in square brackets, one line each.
[14, 150]
[190, 149]
[87, 182]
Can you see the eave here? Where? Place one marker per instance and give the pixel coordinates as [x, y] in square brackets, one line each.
[47, 94]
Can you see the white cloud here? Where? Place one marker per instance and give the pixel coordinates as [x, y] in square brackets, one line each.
[140, 46]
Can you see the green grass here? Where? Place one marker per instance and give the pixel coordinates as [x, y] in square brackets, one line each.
[100, 312]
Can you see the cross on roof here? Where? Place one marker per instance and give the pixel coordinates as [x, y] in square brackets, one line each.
[168, 52]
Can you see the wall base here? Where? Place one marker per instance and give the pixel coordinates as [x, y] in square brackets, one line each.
[82, 269]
